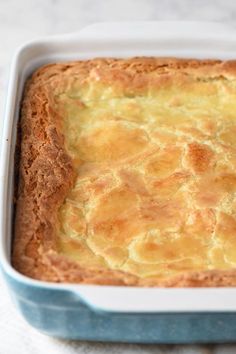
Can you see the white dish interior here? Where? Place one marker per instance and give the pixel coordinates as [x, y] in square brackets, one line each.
[196, 40]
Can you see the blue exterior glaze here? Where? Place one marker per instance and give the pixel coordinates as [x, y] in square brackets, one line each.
[60, 313]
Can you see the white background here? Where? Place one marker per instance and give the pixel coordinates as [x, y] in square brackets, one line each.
[24, 20]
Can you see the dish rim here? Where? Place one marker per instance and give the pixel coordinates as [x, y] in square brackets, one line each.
[107, 298]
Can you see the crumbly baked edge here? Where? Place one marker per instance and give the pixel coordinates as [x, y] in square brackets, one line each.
[46, 175]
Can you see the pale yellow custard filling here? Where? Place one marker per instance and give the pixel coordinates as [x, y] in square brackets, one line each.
[155, 192]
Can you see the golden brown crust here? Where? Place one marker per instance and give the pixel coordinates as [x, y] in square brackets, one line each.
[47, 170]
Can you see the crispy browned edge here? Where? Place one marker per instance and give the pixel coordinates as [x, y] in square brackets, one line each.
[46, 174]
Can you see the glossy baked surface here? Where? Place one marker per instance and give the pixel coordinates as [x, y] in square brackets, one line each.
[148, 192]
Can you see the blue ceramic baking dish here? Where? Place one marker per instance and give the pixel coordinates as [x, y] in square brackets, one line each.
[107, 313]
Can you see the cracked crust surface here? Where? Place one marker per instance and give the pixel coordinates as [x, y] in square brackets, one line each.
[127, 173]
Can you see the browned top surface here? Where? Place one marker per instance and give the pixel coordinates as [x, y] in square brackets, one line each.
[127, 173]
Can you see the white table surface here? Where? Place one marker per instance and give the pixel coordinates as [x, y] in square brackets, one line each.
[24, 20]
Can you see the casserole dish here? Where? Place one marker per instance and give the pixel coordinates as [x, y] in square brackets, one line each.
[106, 313]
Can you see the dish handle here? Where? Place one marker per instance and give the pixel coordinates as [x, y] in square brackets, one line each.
[145, 29]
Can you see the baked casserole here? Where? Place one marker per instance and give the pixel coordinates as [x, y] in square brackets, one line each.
[127, 173]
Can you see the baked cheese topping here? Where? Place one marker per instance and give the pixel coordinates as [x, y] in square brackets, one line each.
[155, 160]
